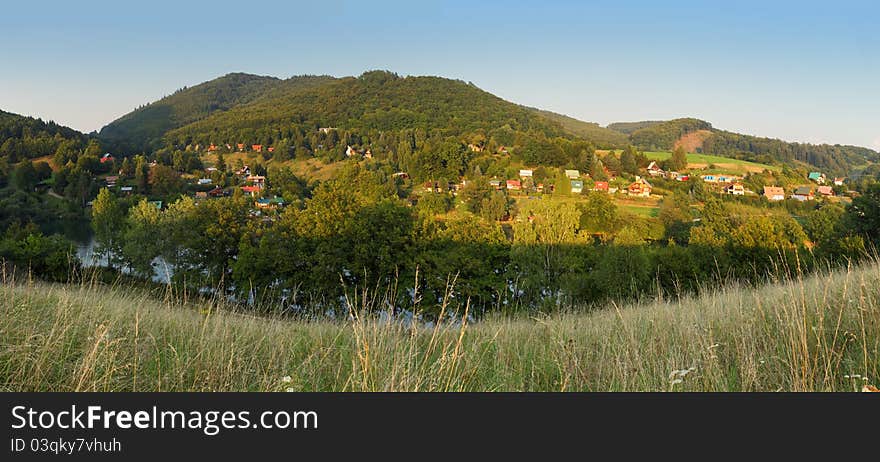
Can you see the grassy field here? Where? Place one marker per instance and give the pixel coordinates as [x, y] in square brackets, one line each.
[723, 164]
[821, 333]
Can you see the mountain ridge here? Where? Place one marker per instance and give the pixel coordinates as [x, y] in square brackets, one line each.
[258, 108]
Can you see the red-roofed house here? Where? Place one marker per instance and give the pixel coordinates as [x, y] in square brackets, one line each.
[257, 147]
[514, 185]
[826, 191]
[107, 158]
[640, 188]
[601, 186]
[250, 190]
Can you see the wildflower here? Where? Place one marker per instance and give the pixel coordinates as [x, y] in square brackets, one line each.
[675, 382]
[286, 379]
[289, 390]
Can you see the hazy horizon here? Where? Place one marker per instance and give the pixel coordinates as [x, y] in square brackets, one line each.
[798, 71]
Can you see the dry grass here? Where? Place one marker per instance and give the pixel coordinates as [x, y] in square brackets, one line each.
[817, 334]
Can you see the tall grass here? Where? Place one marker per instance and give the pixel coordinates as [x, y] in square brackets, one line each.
[821, 333]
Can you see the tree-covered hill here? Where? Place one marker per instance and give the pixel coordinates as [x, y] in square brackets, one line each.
[24, 137]
[836, 159]
[144, 127]
[377, 100]
[601, 136]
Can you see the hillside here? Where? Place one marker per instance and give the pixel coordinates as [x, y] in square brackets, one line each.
[24, 137]
[602, 137]
[821, 333]
[145, 126]
[700, 136]
[628, 128]
[376, 100]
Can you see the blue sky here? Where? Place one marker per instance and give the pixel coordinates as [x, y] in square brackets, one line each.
[801, 71]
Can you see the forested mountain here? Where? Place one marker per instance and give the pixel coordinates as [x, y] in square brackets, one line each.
[24, 137]
[663, 136]
[429, 126]
[144, 127]
[376, 100]
[602, 137]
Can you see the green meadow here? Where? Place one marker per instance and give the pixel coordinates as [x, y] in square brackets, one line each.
[819, 333]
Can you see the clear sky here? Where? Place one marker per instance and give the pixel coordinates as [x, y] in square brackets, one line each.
[801, 71]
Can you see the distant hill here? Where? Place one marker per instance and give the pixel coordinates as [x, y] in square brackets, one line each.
[700, 136]
[144, 127]
[23, 137]
[602, 137]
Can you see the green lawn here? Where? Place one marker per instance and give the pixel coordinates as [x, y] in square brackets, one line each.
[648, 212]
[741, 165]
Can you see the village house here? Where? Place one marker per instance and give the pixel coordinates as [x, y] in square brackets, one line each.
[654, 169]
[270, 204]
[682, 177]
[107, 157]
[205, 181]
[157, 204]
[240, 147]
[257, 147]
[127, 190]
[573, 174]
[111, 180]
[201, 195]
[216, 192]
[526, 173]
[257, 180]
[212, 148]
[326, 130]
[577, 186]
[838, 181]
[475, 147]
[721, 178]
[640, 188]
[818, 177]
[368, 154]
[600, 186]
[735, 189]
[503, 150]
[825, 191]
[243, 171]
[496, 183]
[514, 185]
[271, 149]
[774, 193]
[350, 151]
[250, 190]
[803, 193]
[402, 175]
